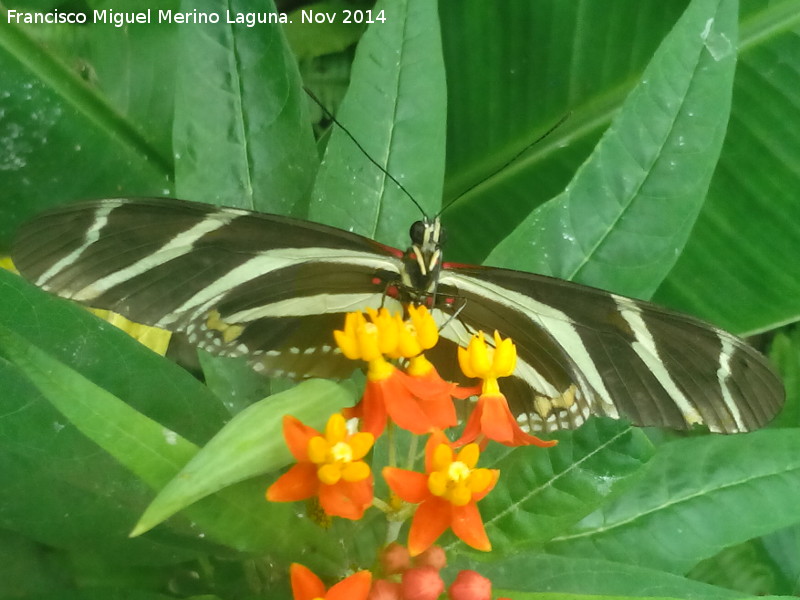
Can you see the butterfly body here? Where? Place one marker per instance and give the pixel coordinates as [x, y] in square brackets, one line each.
[274, 288]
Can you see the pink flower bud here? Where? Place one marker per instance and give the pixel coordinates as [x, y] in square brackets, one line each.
[422, 583]
[395, 559]
[384, 590]
[470, 585]
[432, 557]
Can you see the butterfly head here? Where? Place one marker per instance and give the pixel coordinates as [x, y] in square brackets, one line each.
[423, 260]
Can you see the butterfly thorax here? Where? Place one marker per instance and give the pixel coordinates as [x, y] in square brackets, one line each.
[423, 260]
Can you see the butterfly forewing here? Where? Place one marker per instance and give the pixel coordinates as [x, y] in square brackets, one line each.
[274, 288]
[236, 282]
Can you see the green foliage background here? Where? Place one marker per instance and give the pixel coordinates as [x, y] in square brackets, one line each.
[674, 177]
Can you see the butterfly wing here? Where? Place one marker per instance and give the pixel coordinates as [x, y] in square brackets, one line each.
[585, 351]
[236, 282]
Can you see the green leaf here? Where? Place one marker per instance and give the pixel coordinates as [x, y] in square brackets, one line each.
[91, 501]
[538, 61]
[629, 210]
[785, 355]
[237, 516]
[747, 568]
[395, 108]
[55, 126]
[314, 39]
[241, 136]
[750, 221]
[250, 444]
[111, 359]
[697, 497]
[594, 577]
[542, 491]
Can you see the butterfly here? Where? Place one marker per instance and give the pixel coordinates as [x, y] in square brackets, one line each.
[273, 289]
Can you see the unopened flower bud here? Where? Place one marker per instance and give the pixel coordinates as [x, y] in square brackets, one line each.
[421, 583]
[470, 585]
[395, 559]
[384, 590]
[432, 557]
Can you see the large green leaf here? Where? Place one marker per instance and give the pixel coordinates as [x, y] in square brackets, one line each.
[628, 211]
[395, 108]
[59, 489]
[540, 60]
[593, 577]
[238, 516]
[61, 140]
[697, 496]
[752, 216]
[543, 491]
[241, 136]
[111, 359]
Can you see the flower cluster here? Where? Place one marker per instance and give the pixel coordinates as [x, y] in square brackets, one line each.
[419, 578]
[404, 389]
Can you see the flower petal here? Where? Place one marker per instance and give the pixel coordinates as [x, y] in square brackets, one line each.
[468, 525]
[355, 587]
[434, 441]
[361, 443]
[403, 408]
[497, 422]
[373, 409]
[336, 429]
[297, 436]
[346, 500]
[431, 519]
[355, 471]
[305, 584]
[408, 485]
[298, 483]
[493, 477]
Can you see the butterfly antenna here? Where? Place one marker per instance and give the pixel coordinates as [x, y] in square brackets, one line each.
[336, 122]
[558, 124]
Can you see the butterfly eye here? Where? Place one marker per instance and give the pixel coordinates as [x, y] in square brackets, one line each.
[417, 233]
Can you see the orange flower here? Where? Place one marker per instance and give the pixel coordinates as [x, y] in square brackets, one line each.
[307, 586]
[419, 401]
[447, 494]
[492, 419]
[328, 466]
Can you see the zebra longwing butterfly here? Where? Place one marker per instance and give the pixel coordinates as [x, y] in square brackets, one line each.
[273, 288]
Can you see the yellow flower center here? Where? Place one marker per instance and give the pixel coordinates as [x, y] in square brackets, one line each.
[338, 455]
[456, 480]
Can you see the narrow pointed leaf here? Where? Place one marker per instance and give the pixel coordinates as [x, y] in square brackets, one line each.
[241, 135]
[628, 212]
[237, 516]
[396, 108]
[250, 444]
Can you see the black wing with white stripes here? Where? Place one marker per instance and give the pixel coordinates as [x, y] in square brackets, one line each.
[274, 288]
[238, 283]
